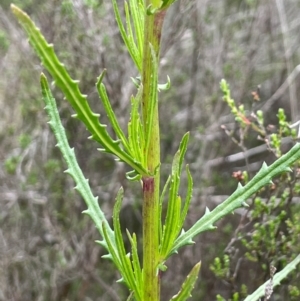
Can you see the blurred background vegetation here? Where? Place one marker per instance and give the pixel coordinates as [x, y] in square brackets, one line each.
[47, 248]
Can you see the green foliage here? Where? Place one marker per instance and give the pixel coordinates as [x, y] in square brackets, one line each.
[274, 235]
[71, 90]
[188, 285]
[4, 42]
[11, 164]
[24, 140]
[221, 267]
[141, 151]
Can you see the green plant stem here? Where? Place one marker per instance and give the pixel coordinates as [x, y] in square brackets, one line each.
[152, 34]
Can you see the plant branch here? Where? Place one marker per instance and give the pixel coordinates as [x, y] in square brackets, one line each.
[151, 47]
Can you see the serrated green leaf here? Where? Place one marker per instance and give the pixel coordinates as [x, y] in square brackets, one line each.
[152, 98]
[136, 265]
[82, 185]
[128, 38]
[161, 200]
[188, 285]
[132, 46]
[138, 11]
[72, 92]
[135, 128]
[237, 199]
[183, 148]
[173, 221]
[188, 198]
[260, 292]
[109, 111]
[166, 86]
[171, 229]
[125, 263]
[112, 248]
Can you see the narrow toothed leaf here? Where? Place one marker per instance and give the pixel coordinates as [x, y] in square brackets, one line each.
[107, 256]
[125, 266]
[152, 98]
[161, 200]
[132, 46]
[137, 11]
[136, 265]
[188, 285]
[121, 280]
[278, 277]
[183, 148]
[82, 184]
[103, 244]
[240, 186]
[242, 193]
[109, 111]
[135, 128]
[174, 218]
[171, 228]
[207, 211]
[72, 92]
[188, 198]
[112, 248]
[166, 86]
[133, 176]
[128, 38]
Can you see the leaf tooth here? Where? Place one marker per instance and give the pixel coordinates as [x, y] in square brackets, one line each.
[68, 171]
[211, 227]
[245, 204]
[74, 115]
[288, 169]
[121, 280]
[173, 252]
[190, 242]
[96, 114]
[207, 211]
[116, 141]
[107, 256]
[239, 187]
[87, 212]
[100, 242]
[264, 167]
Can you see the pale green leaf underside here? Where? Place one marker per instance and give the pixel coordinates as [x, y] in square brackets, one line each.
[238, 198]
[74, 170]
[188, 285]
[260, 292]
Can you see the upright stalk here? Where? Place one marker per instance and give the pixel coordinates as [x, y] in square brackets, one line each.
[151, 289]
